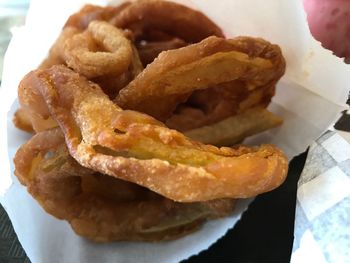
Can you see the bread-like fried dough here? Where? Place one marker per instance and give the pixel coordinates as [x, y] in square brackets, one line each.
[173, 19]
[234, 129]
[100, 207]
[137, 148]
[175, 74]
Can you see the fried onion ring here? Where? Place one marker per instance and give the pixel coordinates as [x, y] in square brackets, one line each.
[174, 19]
[175, 74]
[100, 50]
[212, 105]
[111, 70]
[236, 128]
[88, 13]
[111, 81]
[100, 207]
[137, 148]
[22, 120]
[148, 51]
[111, 85]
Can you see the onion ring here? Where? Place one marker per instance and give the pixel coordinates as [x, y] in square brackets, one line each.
[81, 52]
[148, 51]
[175, 74]
[100, 207]
[236, 128]
[174, 19]
[137, 148]
[212, 105]
[88, 13]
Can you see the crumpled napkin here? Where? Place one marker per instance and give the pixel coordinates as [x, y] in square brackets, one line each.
[322, 220]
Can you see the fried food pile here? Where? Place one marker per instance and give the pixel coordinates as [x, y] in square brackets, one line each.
[133, 111]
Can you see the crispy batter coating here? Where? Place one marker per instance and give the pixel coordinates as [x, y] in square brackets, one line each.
[100, 207]
[33, 110]
[135, 147]
[149, 50]
[171, 18]
[22, 120]
[102, 49]
[173, 76]
[236, 128]
[101, 52]
[111, 84]
[88, 13]
[88, 53]
[212, 105]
